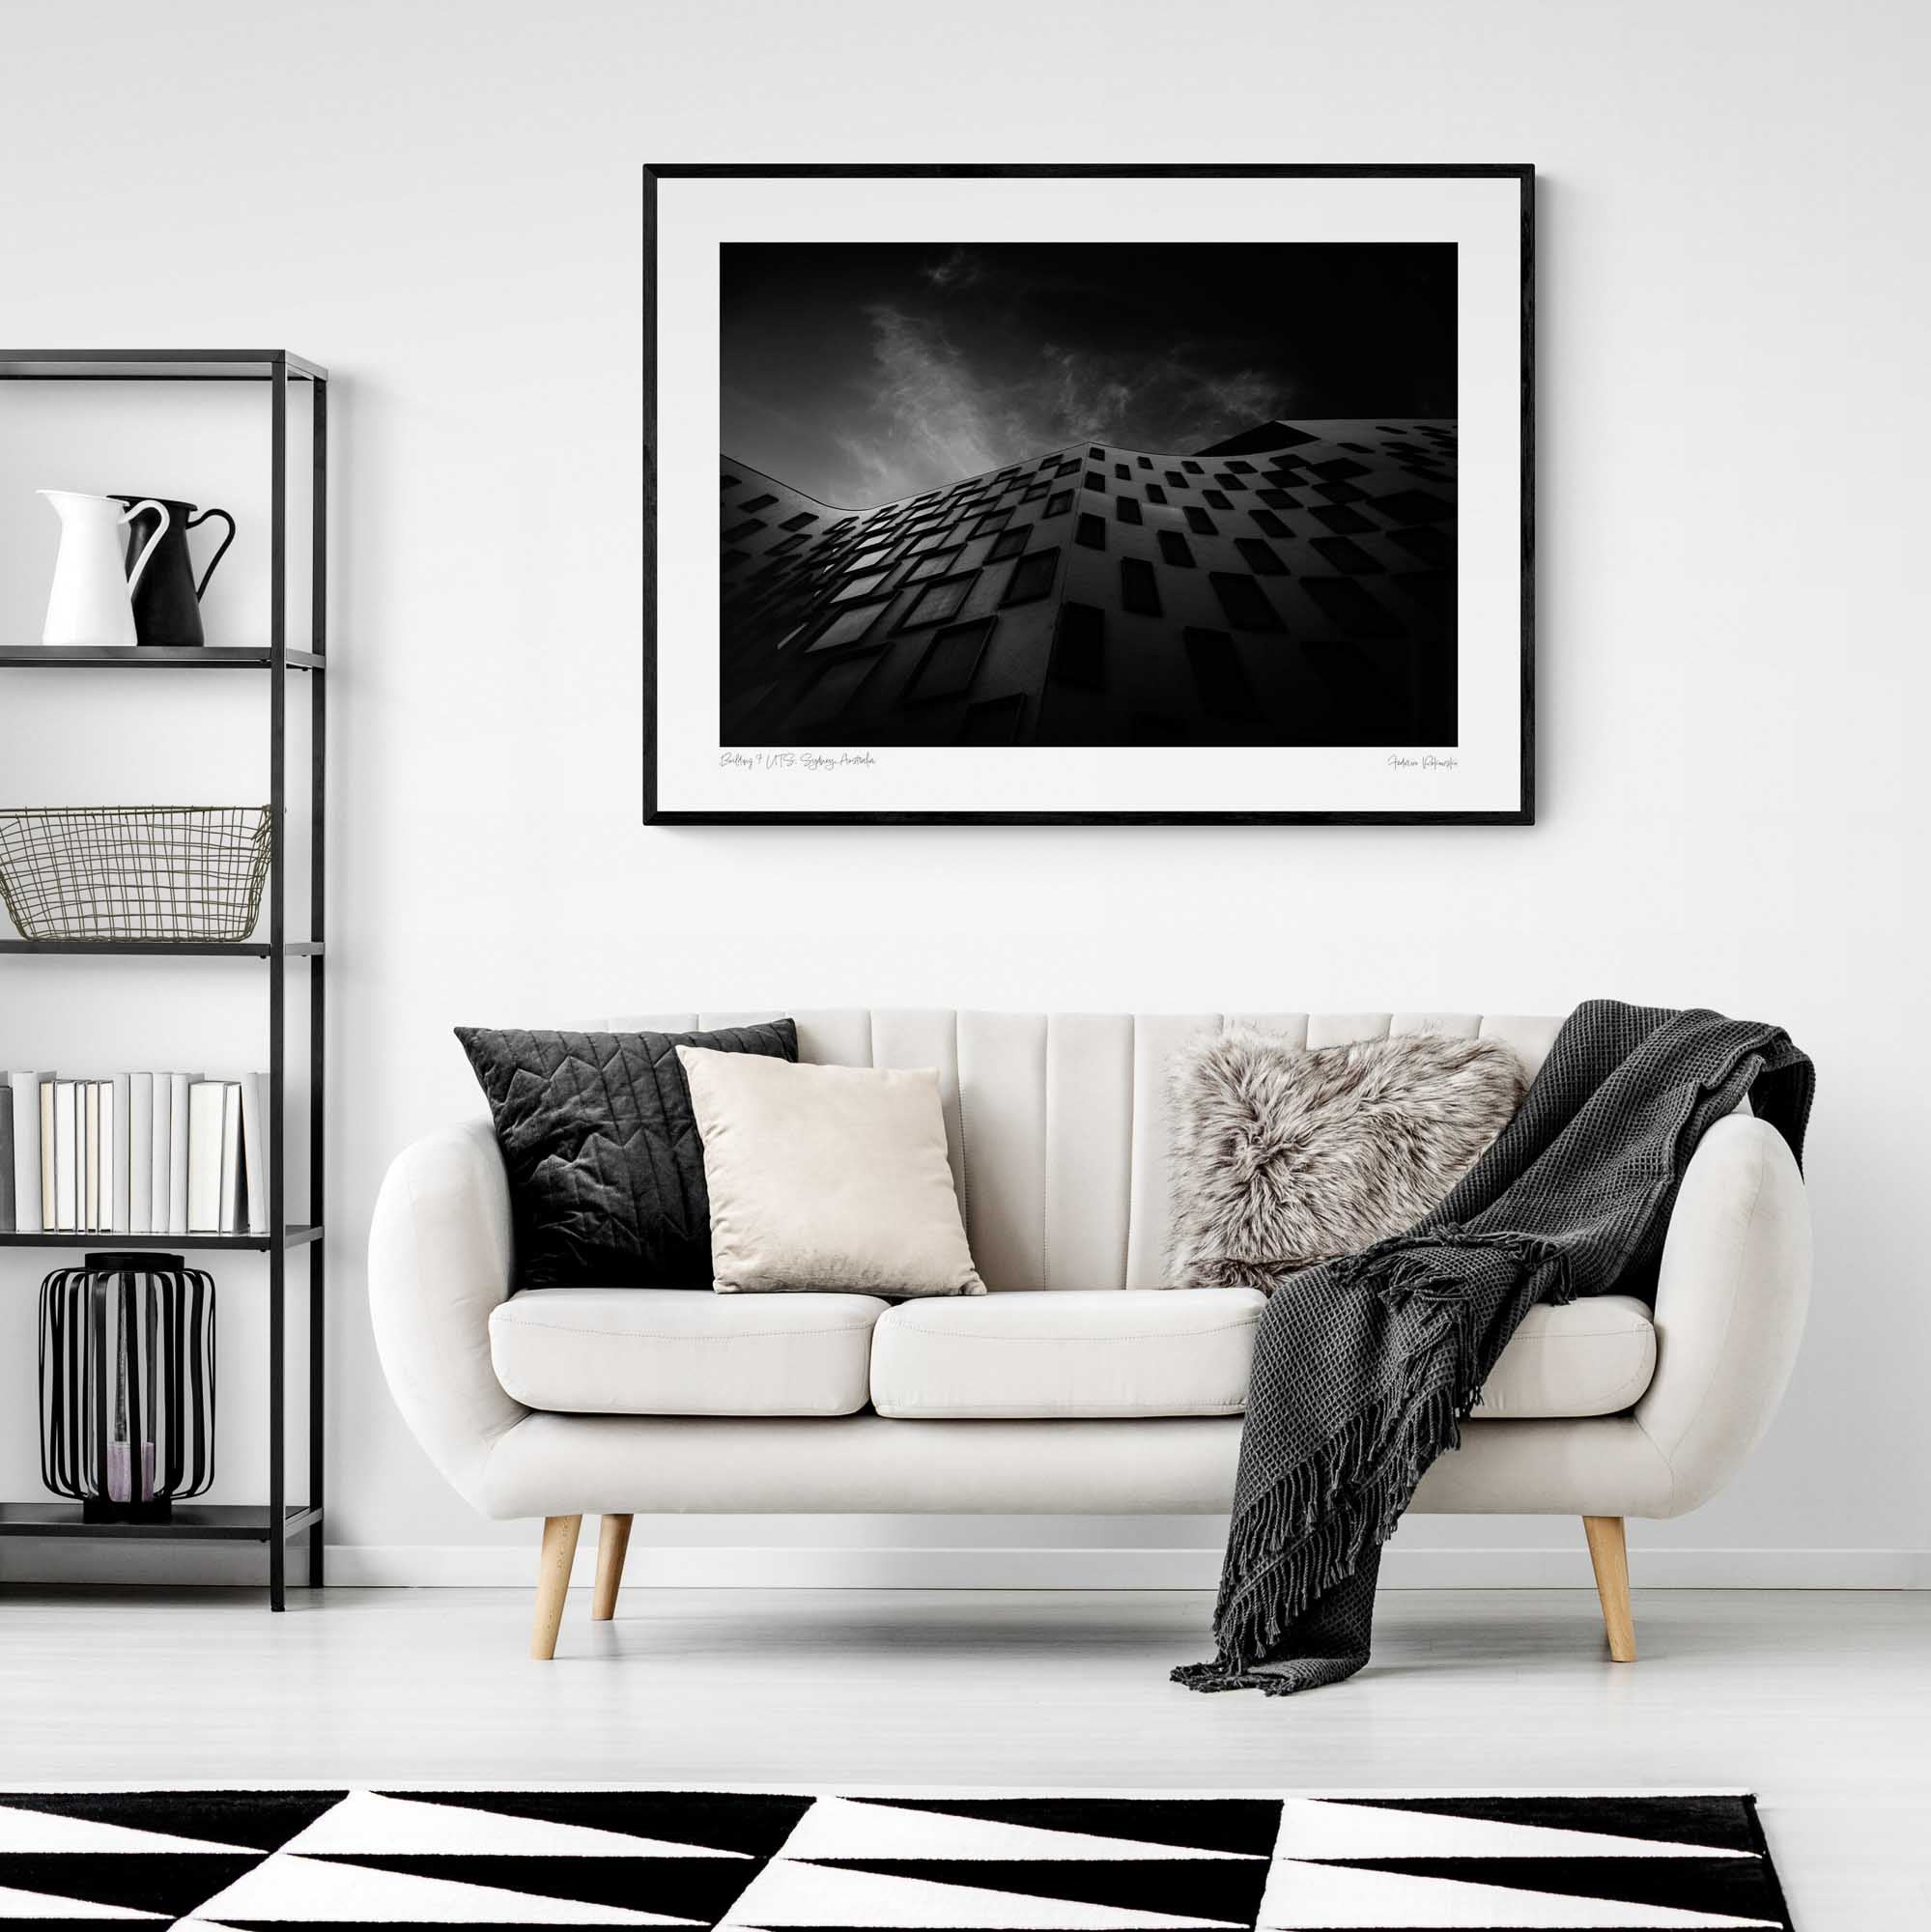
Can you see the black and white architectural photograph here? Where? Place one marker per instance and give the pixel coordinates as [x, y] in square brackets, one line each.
[1183, 493]
[1136, 521]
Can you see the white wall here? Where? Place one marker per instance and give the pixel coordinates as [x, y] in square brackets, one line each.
[441, 204]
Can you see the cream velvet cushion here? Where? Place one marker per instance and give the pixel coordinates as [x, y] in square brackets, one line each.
[829, 1178]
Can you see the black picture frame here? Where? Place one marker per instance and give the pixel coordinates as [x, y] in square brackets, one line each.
[1523, 813]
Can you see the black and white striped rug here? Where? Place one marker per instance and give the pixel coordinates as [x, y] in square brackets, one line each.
[970, 1860]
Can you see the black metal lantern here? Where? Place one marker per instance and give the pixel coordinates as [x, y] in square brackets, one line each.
[128, 1385]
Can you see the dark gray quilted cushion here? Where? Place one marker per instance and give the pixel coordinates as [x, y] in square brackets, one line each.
[605, 1167]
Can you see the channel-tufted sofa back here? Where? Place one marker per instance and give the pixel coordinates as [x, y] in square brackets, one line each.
[1057, 1124]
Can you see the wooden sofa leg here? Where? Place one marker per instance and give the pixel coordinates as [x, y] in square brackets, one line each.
[553, 1582]
[613, 1543]
[1610, 1556]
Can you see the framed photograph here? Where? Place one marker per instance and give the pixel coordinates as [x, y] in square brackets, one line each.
[1086, 495]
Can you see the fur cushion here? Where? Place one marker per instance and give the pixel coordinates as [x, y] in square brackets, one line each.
[1282, 1158]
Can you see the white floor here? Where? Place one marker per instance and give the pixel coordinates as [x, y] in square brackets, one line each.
[1820, 1702]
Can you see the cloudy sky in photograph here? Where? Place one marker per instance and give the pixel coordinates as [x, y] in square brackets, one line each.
[865, 372]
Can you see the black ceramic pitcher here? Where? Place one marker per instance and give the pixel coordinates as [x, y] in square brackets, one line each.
[167, 600]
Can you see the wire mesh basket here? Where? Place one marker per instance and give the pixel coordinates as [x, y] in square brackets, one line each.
[152, 871]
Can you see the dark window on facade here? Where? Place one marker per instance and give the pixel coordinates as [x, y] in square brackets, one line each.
[994, 722]
[1345, 553]
[1146, 463]
[1279, 498]
[783, 545]
[1338, 518]
[1175, 549]
[1340, 492]
[1046, 463]
[1198, 521]
[1174, 480]
[1057, 504]
[1240, 469]
[1032, 577]
[1079, 647]
[732, 482]
[1259, 557]
[1243, 602]
[747, 530]
[1070, 468]
[946, 669]
[993, 520]
[1339, 471]
[858, 586]
[757, 503]
[1121, 470]
[938, 602]
[1226, 690]
[1140, 586]
[1126, 509]
[1034, 491]
[847, 627]
[1091, 531]
[1228, 481]
[1193, 469]
[934, 563]
[1345, 604]
[802, 521]
[1214, 501]
[1008, 543]
[1094, 480]
[1265, 520]
[1097, 455]
[1155, 494]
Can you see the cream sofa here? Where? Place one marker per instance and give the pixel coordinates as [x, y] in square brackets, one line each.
[1083, 1384]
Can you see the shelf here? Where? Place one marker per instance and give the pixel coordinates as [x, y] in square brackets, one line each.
[152, 657]
[154, 948]
[155, 365]
[298, 1236]
[191, 1522]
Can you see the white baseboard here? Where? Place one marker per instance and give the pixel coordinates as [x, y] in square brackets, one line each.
[830, 1567]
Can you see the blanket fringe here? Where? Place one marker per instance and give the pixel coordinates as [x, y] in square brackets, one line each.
[1312, 1527]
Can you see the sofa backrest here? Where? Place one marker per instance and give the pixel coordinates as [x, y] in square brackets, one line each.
[1058, 1123]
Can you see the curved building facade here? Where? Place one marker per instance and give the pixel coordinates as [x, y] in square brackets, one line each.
[1293, 585]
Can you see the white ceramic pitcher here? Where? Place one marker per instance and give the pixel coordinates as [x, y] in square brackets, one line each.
[92, 600]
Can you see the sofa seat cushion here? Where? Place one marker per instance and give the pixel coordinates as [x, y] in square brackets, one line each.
[667, 1351]
[1167, 1352]
[1592, 1357]
[1073, 1352]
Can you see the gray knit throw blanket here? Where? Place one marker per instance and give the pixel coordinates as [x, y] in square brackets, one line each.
[1365, 1367]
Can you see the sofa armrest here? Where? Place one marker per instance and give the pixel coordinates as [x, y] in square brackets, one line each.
[1731, 1297]
[441, 1257]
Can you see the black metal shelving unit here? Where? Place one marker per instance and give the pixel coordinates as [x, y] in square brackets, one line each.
[277, 1521]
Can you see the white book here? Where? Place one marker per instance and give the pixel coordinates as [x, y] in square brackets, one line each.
[49, 1215]
[180, 1086]
[255, 1149]
[120, 1152]
[23, 1093]
[231, 1157]
[140, 1153]
[162, 1134]
[67, 1156]
[207, 1104]
[91, 1156]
